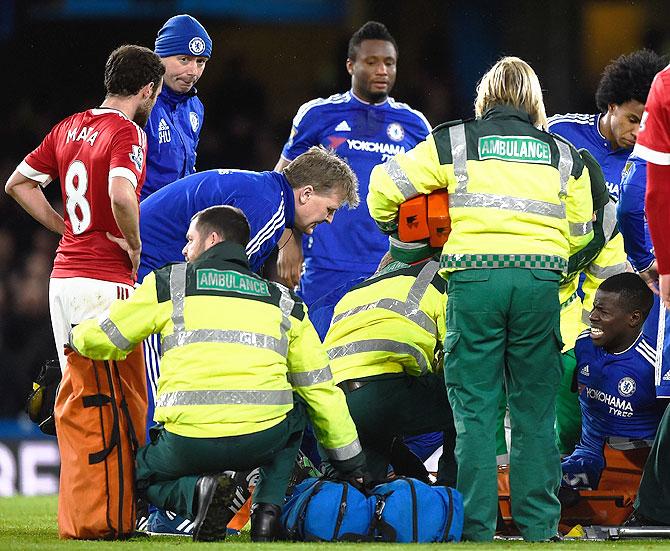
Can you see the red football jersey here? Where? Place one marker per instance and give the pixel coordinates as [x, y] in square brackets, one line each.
[653, 145]
[653, 141]
[85, 151]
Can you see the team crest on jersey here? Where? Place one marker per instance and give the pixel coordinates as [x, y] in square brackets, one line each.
[137, 157]
[196, 46]
[195, 121]
[395, 132]
[626, 386]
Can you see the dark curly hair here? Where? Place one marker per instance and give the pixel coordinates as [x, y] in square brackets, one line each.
[628, 78]
[129, 68]
[372, 30]
[632, 290]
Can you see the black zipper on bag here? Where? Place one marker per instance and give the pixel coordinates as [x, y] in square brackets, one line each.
[415, 520]
[119, 450]
[132, 440]
[341, 511]
[450, 513]
[94, 458]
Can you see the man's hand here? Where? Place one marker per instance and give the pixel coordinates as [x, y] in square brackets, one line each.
[664, 289]
[650, 277]
[289, 258]
[134, 254]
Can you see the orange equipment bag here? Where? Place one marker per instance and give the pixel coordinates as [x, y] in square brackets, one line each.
[609, 505]
[100, 409]
[425, 217]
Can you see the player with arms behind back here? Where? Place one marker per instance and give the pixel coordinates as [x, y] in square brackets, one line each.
[99, 157]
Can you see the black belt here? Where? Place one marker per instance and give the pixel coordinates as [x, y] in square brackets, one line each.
[350, 386]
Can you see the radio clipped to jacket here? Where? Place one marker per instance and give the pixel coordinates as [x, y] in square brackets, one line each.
[425, 217]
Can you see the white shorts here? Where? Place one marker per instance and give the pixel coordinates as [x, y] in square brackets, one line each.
[75, 299]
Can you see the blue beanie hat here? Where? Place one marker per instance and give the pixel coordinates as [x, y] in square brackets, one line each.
[183, 35]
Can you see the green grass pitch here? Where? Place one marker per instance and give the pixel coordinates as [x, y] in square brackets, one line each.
[30, 523]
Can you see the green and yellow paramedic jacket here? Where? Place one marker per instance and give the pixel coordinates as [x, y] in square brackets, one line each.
[393, 322]
[234, 348]
[518, 196]
[603, 257]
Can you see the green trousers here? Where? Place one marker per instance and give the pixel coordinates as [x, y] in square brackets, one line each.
[169, 467]
[400, 405]
[653, 497]
[568, 412]
[503, 333]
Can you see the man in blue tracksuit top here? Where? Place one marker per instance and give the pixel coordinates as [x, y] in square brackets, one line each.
[173, 129]
[366, 127]
[615, 362]
[610, 134]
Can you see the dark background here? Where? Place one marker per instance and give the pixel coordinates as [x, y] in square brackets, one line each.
[269, 57]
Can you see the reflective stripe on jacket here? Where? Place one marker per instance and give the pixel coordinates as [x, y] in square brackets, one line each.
[518, 196]
[393, 322]
[235, 347]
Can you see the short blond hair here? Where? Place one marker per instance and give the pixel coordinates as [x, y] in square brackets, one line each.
[511, 81]
[325, 172]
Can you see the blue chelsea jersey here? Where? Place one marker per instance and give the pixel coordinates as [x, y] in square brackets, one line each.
[266, 198]
[582, 131]
[364, 135]
[173, 131]
[616, 392]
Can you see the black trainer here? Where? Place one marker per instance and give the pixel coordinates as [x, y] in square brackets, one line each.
[141, 515]
[213, 497]
[265, 522]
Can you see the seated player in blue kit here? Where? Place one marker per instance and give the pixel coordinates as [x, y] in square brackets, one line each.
[615, 364]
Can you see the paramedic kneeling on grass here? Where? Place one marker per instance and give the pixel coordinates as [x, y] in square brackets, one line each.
[235, 348]
[520, 204]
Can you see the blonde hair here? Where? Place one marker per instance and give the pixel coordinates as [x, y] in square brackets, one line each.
[325, 172]
[511, 81]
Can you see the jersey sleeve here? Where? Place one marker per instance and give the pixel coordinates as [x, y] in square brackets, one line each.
[41, 164]
[653, 142]
[128, 154]
[266, 219]
[303, 133]
[630, 215]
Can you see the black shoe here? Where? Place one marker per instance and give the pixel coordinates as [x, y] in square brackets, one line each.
[141, 515]
[638, 519]
[265, 522]
[213, 497]
[242, 480]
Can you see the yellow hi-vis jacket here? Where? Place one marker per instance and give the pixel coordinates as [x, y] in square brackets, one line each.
[393, 322]
[234, 349]
[603, 257]
[518, 196]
